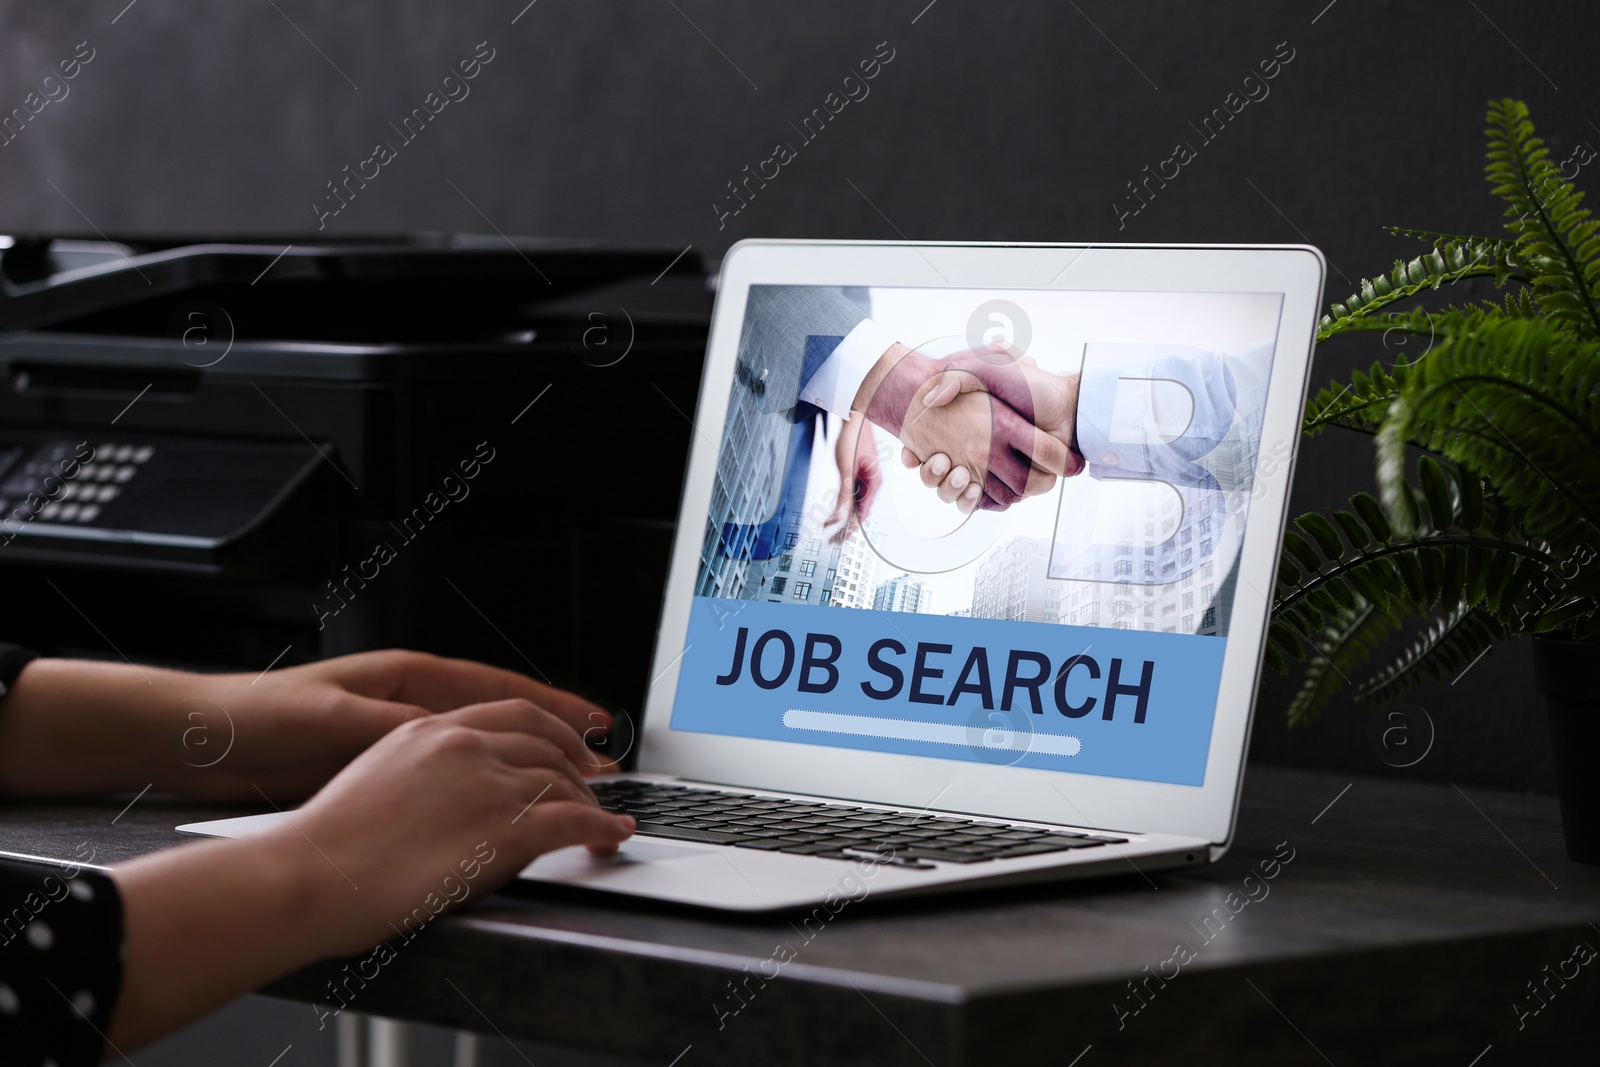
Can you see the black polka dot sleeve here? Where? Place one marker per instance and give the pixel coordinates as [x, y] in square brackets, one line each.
[61, 955]
[12, 659]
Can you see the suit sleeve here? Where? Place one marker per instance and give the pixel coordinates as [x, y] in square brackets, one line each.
[789, 333]
[1160, 418]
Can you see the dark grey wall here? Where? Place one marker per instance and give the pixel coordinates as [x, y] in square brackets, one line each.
[992, 121]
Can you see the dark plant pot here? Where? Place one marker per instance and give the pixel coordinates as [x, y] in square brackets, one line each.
[1565, 673]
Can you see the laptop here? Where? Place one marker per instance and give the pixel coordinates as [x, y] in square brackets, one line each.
[863, 685]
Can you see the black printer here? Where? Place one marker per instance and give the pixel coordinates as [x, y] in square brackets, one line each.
[240, 453]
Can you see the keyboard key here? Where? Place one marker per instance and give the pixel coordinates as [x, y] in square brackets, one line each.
[941, 856]
[683, 833]
[945, 843]
[1043, 847]
[874, 856]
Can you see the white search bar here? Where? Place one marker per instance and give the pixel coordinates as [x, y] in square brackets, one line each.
[939, 733]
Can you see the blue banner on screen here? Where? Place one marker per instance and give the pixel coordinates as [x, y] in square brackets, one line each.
[1072, 698]
[1036, 567]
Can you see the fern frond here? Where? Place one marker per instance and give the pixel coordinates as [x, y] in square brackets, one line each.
[1347, 643]
[1437, 237]
[1360, 404]
[1463, 553]
[1518, 401]
[1441, 323]
[1556, 241]
[1446, 647]
[1517, 305]
[1449, 262]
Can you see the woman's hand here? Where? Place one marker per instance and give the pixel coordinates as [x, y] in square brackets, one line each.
[442, 810]
[77, 728]
[296, 727]
[487, 788]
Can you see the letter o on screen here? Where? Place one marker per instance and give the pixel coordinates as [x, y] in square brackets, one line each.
[758, 656]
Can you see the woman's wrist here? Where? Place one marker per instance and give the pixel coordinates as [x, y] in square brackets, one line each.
[76, 728]
[210, 921]
[324, 883]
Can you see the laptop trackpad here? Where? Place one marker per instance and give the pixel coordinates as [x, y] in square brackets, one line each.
[651, 852]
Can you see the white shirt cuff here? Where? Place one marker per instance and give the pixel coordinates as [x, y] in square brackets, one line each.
[833, 388]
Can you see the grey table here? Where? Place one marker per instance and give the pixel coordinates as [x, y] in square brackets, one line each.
[1414, 924]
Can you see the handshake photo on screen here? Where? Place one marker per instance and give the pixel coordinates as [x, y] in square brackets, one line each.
[1074, 457]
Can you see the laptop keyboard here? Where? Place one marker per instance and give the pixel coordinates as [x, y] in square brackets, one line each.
[915, 841]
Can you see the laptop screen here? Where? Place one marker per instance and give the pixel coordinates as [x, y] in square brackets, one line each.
[995, 526]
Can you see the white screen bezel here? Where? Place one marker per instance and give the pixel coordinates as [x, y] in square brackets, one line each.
[1205, 811]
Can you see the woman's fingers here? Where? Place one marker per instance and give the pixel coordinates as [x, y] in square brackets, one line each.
[362, 719]
[522, 716]
[525, 751]
[439, 683]
[549, 825]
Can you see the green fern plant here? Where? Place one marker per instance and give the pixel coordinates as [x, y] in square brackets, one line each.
[1490, 535]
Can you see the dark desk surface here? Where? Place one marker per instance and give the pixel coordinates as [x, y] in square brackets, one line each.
[1406, 929]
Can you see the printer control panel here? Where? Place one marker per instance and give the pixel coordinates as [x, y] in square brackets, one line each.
[73, 483]
[88, 493]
